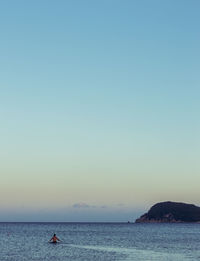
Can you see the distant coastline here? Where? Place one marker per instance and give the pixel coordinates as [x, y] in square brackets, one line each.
[171, 212]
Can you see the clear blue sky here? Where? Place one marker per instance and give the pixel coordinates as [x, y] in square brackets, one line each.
[99, 107]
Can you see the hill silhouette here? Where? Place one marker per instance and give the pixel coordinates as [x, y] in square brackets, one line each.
[171, 212]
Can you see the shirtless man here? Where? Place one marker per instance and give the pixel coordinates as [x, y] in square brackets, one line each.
[54, 239]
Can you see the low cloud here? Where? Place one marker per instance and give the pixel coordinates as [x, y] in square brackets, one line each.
[104, 206]
[82, 205]
[121, 205]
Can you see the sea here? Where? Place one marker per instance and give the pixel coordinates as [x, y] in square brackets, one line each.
[99, 241]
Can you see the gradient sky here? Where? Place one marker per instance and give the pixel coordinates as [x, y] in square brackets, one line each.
[99, 108]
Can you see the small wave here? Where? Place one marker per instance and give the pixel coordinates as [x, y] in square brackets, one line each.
[136, 254]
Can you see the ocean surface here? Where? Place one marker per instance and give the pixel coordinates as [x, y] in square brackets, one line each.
[99, 241]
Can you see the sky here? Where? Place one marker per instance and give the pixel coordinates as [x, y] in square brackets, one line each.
[99, 108]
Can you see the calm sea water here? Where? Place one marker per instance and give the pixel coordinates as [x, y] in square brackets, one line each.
[99, 241]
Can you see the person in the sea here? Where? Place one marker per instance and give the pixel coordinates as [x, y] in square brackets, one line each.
[54, 239]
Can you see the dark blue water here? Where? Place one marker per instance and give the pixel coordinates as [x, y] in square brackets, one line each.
[98, 241]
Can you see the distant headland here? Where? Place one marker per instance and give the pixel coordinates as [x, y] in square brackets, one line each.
[173, 212]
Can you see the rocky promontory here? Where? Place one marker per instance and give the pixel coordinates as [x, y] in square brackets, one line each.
[173, 212]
